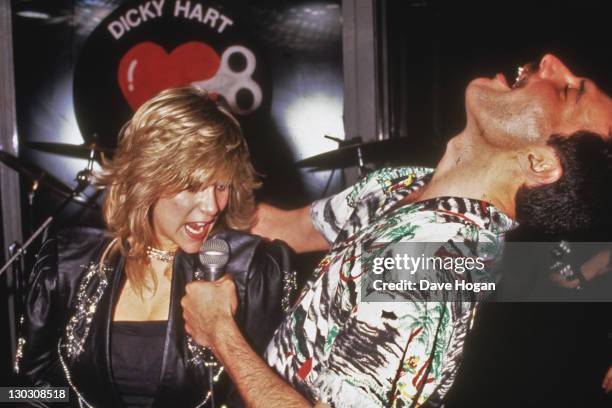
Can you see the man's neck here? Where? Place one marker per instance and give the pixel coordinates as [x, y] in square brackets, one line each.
[474, 171]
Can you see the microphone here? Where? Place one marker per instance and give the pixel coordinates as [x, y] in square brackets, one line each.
[213, 256]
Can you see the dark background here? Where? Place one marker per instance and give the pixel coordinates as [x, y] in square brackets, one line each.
[520, 355]
[434, 48]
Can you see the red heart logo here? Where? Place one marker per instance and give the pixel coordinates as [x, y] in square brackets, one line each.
[146, 69]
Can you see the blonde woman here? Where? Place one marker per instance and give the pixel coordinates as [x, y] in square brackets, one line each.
[103, 313]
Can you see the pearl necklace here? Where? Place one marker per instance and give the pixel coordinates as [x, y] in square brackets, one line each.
[160, 254]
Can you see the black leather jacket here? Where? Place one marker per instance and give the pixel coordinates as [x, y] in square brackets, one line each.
[68, 315]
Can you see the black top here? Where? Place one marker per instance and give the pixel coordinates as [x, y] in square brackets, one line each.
[136, 358]
[63, 285]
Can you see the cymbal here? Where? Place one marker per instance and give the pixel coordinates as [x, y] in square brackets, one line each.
[389, 151]
[81, 151]
[42, 178]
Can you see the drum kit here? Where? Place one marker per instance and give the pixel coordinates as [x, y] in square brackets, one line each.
[356, 153]
[40, 179]
[350, 153]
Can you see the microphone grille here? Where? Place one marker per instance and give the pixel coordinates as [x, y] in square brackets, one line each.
[214, 252]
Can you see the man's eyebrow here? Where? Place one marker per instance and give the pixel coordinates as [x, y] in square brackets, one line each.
[581, 90]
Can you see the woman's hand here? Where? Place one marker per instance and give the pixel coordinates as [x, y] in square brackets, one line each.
[208, 307]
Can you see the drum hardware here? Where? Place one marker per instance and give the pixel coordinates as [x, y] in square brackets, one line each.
[41, 179]
[82, 151]
[356, 143]
[20, 281]
[83, 178]
[354, 152]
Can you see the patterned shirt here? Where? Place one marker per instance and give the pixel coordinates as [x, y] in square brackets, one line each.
[339, 350]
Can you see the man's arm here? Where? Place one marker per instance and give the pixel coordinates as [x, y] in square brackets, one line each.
[258, 385]
[295, 227]
[596, 265]
[208, 309]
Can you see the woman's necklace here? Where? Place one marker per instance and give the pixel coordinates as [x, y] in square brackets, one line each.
[161, 255]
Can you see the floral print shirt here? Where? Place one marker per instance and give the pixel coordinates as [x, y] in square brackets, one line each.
[337, 349]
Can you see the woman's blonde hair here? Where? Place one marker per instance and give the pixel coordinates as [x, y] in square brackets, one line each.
[182, 139]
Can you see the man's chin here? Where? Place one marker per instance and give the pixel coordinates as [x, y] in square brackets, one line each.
[482, 85]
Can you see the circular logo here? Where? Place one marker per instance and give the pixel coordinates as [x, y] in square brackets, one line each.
[144, 47]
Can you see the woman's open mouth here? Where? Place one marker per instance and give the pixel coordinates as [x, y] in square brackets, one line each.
[197, 230]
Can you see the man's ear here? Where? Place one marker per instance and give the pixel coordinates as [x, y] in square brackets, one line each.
[540, 165]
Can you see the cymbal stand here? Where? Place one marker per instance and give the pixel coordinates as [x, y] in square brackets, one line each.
[83, 182]
[363, 170]
[19, 281]
[361, 164]
[31, 197]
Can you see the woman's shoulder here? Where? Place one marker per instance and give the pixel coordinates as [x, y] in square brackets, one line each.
[65, 252]
[236, 237]
[262, 258]
[265, 282]
[244, 246]
[80, 243]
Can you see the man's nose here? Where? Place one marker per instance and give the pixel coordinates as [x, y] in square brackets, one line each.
[552, 68]
[207, 201]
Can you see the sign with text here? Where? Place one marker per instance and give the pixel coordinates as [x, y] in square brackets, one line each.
[468, 272]
[144, 47]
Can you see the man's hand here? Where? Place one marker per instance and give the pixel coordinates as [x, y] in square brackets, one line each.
[596, 265]
[607, 381]
[207, 307]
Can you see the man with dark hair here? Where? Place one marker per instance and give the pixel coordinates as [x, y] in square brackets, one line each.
[335, 349]
[579, 202]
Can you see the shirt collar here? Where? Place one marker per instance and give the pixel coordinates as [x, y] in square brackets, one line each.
[457, 209]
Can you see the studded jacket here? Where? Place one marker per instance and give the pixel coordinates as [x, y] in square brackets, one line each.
[68, 315]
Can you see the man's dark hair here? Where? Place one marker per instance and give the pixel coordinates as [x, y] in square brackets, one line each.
[580, 202]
